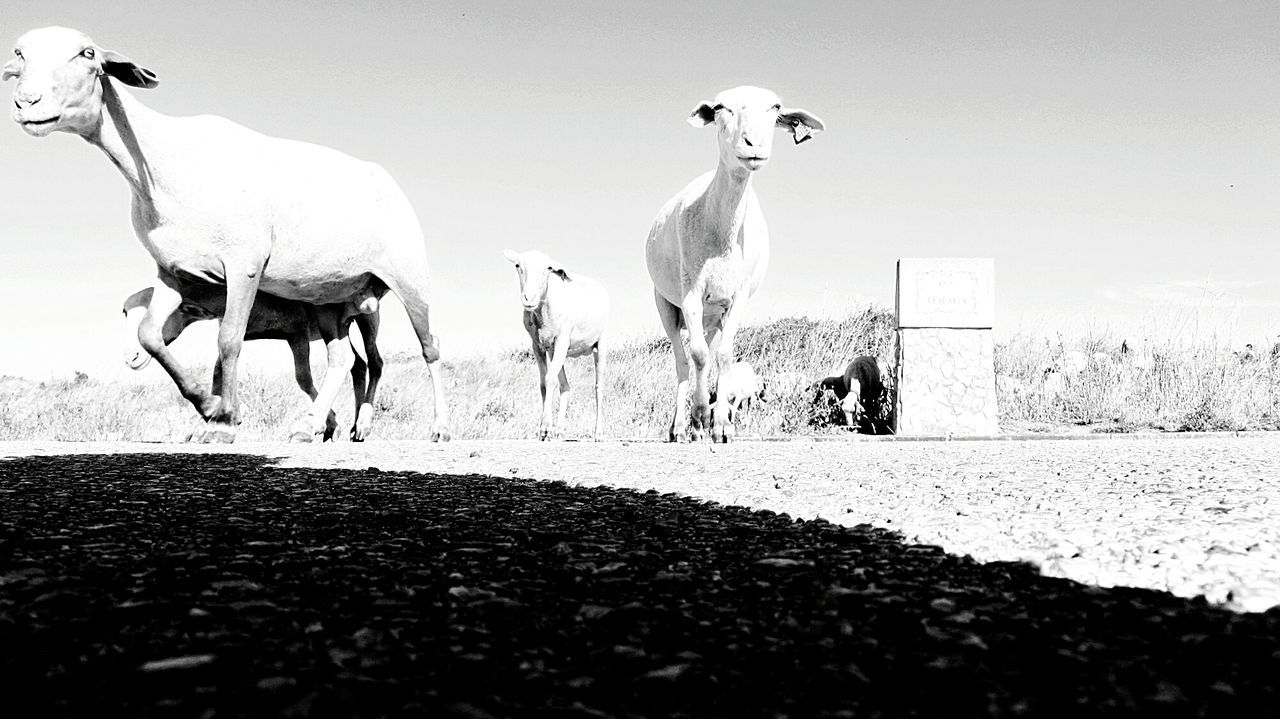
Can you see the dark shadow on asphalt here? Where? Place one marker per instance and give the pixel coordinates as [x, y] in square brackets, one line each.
[221, 585]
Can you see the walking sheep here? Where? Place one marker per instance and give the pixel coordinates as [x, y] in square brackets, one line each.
[213, 201]
[709, 247]
[565, 315]
[274, 318]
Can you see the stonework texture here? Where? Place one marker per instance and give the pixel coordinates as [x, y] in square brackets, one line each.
[946, 382]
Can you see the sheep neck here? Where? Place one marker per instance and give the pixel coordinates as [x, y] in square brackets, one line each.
[727, 199]
[122, 134]
[542, 313]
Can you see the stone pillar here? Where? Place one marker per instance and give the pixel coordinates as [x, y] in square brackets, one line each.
[946, 354]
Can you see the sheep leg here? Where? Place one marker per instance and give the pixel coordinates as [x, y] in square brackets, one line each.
[340, 358]
[364, 413]
[538, 354]
[600, 363]
[564, 401]
[412, 293]
[670, 316]
[165, 300]
[722, 428]
[359, 382]
[242, 289]
[543, 377]
[302, 365]
[554, 368]
[699, 359]
[735, 409]
[541, 357]
[300, 348]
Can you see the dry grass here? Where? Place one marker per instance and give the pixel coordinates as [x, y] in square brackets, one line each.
[1180, 386]
[1186, 387]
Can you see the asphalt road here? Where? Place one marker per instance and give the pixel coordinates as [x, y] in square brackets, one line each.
[478, 579]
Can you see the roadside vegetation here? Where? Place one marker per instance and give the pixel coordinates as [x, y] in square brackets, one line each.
[1165, 386]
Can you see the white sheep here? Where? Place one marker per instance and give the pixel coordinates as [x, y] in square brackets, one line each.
[565, 314]
[213, 201]
[274, 318]
[709, 247]
[741, 387]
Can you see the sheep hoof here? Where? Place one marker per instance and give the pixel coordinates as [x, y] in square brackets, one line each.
[302, 432]
[360, 428]
[197, 431]
[440, 433]
[217, 433]
[212, 433]
[330, 427]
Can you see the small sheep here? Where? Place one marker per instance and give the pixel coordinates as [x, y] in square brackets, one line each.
[274, 318]
[709, 247]
[213, 201]
[741, 387]
[565, 315]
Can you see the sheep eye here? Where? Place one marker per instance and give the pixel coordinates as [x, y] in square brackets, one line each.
[17, 53]
[776, 108]
[88, 53]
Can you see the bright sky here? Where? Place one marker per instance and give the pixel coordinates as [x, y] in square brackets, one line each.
[1120, 161]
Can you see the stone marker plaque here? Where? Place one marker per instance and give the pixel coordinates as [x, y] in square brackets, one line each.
[946, 351]
[946, 292]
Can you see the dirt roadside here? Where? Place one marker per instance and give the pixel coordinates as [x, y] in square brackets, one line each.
[1190, 515]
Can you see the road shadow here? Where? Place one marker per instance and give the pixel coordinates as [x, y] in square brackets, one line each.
[222, 585]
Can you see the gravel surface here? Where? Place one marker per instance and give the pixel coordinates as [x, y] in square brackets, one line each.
[412, 579]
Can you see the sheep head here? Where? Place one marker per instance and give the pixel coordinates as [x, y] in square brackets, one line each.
[745, 118]
[59, 89]
[135, 310]
[534, 270]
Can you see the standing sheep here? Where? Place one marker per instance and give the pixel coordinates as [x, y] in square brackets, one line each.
[861, 392]
[213, 201]
[565, 315]
[709, 247]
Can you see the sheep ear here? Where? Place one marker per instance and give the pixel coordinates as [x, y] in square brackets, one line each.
[801, 124]
[512, 256]
[127, 71]
[141, 298]
[704, 114]
[10, 69]
[560, 272]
